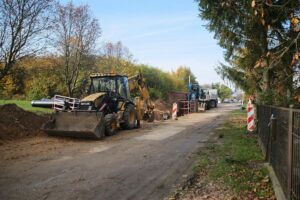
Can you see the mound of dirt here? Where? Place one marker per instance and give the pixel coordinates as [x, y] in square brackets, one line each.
[16, 123]
[162, 105]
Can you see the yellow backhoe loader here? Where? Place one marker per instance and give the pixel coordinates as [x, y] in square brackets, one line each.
[108, 106]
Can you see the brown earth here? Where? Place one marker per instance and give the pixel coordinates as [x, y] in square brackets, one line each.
[162, 105]
[145, 163]
[16, 123]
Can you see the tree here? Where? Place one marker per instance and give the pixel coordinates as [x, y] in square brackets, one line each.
[159, 82]
[42, 78]
[22, 30]
[224, 92]
[181, 78]
[76, 33]
[260, 41]
[116, 56]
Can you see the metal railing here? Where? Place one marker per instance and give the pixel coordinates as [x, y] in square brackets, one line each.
[65, 103]
[187, 107]
[279, 136]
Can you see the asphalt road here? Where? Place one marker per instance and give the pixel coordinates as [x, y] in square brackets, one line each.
[145, 163]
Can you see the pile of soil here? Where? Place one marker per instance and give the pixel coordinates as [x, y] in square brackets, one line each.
[16, 123]
[162, 105]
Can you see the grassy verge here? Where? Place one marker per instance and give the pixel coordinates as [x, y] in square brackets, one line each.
[26, 105]
[232, 164]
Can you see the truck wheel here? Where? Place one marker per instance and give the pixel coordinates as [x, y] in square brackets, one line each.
[207, 106]
[212, 104]
[111, 124]
[129, 117]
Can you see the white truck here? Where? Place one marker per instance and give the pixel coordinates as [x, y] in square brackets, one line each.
[209, 97]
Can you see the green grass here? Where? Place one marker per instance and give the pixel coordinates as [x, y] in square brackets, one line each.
[26, 105]
[238, 162]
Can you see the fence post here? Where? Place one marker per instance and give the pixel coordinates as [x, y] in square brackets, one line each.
[290, 152]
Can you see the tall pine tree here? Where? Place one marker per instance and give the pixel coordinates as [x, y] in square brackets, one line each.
[260, 41]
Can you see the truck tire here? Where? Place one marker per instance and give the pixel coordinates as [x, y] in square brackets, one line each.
[212, 104]
[111, 124]
[129, 117]
[207, 106]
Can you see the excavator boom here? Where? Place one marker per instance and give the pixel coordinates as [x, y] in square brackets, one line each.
[138, 80]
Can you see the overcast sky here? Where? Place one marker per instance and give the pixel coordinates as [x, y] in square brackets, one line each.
[161, 33]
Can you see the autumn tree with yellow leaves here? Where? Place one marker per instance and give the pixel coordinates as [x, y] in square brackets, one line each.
[34, 67]
[76, 33]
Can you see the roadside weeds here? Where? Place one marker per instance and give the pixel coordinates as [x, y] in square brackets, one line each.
[230, 166]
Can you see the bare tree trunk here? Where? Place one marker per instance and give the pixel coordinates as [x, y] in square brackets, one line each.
[76, 33]
[21, 25]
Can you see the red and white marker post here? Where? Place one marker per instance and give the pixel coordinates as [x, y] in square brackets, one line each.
[250, 117]
[174, 111]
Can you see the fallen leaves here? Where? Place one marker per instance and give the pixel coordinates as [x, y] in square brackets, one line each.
[269, 2]
[261, 63]
[295, 23]
[225, 173]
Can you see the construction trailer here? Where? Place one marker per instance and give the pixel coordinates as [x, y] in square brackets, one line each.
[197, 99]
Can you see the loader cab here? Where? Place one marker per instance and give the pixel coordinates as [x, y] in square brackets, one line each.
[110, 83]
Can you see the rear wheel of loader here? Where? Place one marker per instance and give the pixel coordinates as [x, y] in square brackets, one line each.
[111, 124]
[129, 117]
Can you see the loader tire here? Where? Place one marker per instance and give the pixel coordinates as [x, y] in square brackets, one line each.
[129, 117]
[111, 124]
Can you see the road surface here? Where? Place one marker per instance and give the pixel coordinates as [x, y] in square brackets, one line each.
[145, 163]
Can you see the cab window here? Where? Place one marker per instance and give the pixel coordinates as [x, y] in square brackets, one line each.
[123, 88]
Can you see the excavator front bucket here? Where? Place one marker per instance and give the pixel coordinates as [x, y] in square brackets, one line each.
[76, 124]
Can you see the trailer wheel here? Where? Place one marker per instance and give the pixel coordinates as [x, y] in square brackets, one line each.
[111, 124]
[129, 117]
